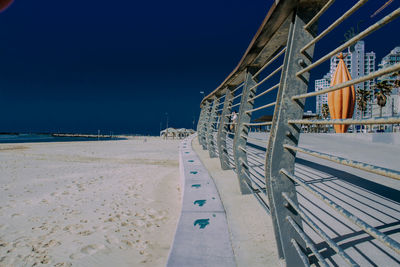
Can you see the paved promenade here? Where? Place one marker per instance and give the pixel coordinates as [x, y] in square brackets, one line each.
[373, 198]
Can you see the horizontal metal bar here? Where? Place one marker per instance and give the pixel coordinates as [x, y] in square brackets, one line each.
[266, 78]
[353, 40]
[237, 88]
[243, 149]
[243, 163]
[347, 162]
[263, 93]
[235, 105]
[370, 76]
[255, 193]
[262, 189]
[303, 257]
[257, 139]
[262, 107]
[320, 232]
[222, 96]
[308, 241]
[334, 24]
[239, 95]
[270, 61]
[258, 123]
[390, 120]
[386, 240]
[319, 14]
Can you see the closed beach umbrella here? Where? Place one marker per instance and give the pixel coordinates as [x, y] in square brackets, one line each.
[341, 102]
[4, 4]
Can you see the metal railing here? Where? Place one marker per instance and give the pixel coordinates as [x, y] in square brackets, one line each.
[273, 78]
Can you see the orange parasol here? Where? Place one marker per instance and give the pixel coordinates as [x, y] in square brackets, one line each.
[341, 102]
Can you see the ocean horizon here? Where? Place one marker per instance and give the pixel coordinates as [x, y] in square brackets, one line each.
[49, 137]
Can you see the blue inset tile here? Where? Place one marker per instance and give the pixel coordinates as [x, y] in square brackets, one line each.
[202, 223]
[200, 202]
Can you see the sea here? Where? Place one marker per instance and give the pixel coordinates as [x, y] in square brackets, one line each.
[36, 138]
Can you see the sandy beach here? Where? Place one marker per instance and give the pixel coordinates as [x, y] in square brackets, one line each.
[99, 203]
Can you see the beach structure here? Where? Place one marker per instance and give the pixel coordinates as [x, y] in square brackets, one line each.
[315, 221]
[176, 133]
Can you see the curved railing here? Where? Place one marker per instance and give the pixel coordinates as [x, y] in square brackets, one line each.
[272, 79]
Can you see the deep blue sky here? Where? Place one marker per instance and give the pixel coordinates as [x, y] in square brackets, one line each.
[120, 66]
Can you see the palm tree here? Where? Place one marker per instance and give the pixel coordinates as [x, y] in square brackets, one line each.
[325, 113]
[382, 91]
[396, 82]
[363, 97]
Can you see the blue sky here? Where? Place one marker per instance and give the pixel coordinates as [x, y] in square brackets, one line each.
[120, 67]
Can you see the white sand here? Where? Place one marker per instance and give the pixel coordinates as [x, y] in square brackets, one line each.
[103, 203]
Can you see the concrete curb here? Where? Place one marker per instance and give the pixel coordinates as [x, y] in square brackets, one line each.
[202, 235]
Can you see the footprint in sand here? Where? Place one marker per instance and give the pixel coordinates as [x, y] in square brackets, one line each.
[91, 249]
[85, 233]
[127, 243]
[51, 243]
[63, 264]
[111, 239]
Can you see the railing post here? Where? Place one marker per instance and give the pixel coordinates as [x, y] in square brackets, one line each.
[241, 132]
[200, 123]
[211, 128]
[278, 157]
[223, 129]
[205, 124]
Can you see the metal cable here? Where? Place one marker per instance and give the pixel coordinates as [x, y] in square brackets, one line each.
[348, 162]
[333, 25]
[263, 93]
[390, 120]
[353, 40]
[267, 78]
[262, 107]
[316, 17]
[370, 76]
[384, 239]
[269, 62]
[308, 241]
[320, 232]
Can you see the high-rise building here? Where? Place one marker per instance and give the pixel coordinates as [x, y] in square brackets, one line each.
[392, 107]
[321, 99]
[359, 64]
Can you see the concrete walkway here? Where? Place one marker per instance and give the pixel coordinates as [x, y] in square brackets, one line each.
[202, 236]
[250, 227]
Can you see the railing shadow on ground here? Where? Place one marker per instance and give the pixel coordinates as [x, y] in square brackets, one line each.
[312, 196]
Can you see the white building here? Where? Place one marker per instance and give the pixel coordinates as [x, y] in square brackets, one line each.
[321, 99]
[359, 64]
[392, 107]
